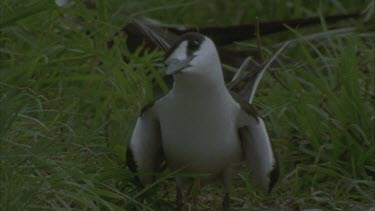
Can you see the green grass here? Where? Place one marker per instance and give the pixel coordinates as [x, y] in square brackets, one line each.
[65, 117]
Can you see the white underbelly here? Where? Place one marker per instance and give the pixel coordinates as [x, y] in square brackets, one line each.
[201, 142]
[209, 158]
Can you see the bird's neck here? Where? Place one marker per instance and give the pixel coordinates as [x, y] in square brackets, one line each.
[197, 85]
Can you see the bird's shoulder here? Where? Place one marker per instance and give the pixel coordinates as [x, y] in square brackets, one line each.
[249, 109]
[149, 106]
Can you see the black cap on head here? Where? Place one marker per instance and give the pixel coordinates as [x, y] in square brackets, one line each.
[194, 42]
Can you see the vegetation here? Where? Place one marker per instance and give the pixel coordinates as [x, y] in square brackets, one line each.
[68, 105]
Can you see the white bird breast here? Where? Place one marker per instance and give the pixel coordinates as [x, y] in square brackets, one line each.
[197, 135]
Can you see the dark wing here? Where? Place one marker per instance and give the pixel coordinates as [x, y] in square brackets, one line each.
[252, 73]
[257, 147]
[152, 35]
[224, 35]
[144, 154]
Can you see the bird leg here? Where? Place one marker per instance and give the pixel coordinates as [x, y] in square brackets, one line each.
[227, 180]
[226, 202]
[196, 190]
[179, 194]
[179, 198]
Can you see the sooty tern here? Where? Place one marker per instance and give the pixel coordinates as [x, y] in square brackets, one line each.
[200, 127]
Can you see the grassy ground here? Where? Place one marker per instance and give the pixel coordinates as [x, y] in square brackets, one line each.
[65, 117]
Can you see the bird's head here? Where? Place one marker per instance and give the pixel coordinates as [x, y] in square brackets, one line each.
[193, 54]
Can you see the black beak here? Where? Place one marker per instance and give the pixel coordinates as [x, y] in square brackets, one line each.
[174, 66]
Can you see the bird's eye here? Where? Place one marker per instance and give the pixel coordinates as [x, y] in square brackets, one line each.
[193, 45]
